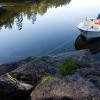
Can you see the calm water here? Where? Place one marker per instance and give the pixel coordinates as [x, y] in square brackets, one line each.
[46, 27]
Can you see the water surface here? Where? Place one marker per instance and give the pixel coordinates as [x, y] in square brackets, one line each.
[44, 27]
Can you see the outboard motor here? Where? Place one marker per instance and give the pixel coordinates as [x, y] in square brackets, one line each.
[98, 17]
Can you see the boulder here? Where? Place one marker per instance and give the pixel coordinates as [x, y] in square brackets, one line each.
[11, 89]
[80, 84]
[91, 74]
[32, 71]
[5, 68]
[70, 88]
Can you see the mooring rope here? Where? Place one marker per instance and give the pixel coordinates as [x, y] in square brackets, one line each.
[51, 51]
[56, 48]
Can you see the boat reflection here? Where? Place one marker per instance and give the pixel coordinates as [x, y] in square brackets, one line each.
[93, 45]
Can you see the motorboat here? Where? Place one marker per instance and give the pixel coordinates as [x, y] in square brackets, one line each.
[90, 27]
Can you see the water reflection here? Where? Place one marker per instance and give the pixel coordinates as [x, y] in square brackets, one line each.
[53, 27]
[14, 12]
[93, 45]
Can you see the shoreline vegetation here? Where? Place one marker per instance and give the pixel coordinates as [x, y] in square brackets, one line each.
[66, 76]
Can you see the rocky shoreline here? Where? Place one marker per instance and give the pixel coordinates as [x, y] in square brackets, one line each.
[38, 78]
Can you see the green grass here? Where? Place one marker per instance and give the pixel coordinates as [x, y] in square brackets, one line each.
[67, 67]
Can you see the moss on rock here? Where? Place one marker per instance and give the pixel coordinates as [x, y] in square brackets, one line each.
[67, 67]
[47, 78]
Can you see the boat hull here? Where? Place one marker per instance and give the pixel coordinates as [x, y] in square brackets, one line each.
[90, 34]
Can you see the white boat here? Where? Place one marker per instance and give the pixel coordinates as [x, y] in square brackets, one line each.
[90, 28]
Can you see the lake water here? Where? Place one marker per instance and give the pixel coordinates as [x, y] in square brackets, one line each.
[45, 27]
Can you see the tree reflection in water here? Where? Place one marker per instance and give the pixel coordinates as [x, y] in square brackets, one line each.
[16, 11]
[19, 21]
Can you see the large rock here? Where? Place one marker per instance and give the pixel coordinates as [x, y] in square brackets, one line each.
[35, 69]
[80, 84]
[91, 74]
[5, 68]
[70, 88]
[18, 84]
[11, 89]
